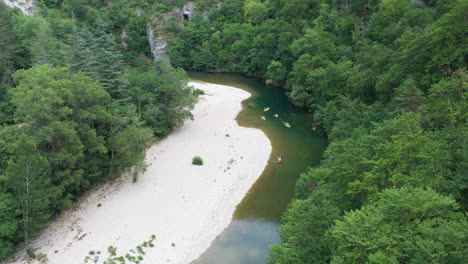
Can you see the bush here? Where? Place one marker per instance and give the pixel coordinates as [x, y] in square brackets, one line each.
[198, 92]
[197, 161]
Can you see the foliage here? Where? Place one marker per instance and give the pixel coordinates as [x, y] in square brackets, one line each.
[276, 72]
[135, 255]
[65, 123]
[74, 137]
[8, 224]
[27, 176]
[197, 161]
[407, 225]
[161, 96]
[98, 56]
[11, 58]
[385, 80]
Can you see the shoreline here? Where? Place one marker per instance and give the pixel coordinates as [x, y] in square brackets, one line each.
[185, 206]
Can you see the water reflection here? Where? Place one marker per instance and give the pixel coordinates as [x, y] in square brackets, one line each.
[244, 241]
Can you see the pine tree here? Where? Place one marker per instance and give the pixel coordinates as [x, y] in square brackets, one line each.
[10, 59]
[82, 57]
[45, 47]
[408, 97]
[98, 56]
[110, 66]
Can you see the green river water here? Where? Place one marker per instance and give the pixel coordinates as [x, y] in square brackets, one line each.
[256, 221]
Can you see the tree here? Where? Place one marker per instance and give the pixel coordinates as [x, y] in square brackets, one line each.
[408, 97]
[127, 144]
[276, 72]
[394, 154]
[68, 123]
[99, 57]
[8, 223]
[46, 49]
[27, 175]
[447, 101]
[36, 36]
[161, 96]
[6, 108]
[384, 26]
[178, 95]
[305, 224]
[407, 225]
[255, 12]
[440, 50]
[10, 57]
[110, 67]
[137, 38]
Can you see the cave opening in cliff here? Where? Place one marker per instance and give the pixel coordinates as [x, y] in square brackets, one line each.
[186, 17]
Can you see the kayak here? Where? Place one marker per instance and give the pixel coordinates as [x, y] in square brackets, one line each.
[286, 124]
[264, 118]
[266, 109]
[276, 115]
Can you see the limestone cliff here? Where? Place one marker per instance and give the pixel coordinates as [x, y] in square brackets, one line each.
[158, 29]
[27, 6]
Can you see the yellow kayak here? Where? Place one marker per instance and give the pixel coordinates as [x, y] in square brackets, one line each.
[286, 124]
[276, 115]
[266, 109]
[264, 118]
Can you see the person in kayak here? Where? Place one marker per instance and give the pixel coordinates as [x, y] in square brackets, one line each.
[279, 160]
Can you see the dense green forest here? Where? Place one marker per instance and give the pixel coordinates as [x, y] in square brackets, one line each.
[76, 110]
[385, 80]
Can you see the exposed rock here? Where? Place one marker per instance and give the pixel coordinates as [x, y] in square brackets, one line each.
[27, 6]
[123, 36]
[188, 11]
[157, 29]
[139, 12]
[157, 43]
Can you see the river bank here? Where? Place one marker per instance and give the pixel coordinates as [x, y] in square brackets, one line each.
[185, 206]
[256, 220]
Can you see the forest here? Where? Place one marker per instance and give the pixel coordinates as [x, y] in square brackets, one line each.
[76, 111]
[386, 81]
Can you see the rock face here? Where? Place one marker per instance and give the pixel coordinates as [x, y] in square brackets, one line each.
[158, 29]
[188, 11]
[27, 6]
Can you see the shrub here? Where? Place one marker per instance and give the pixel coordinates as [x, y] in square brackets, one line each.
[198, 92]
[31, 253]
[197, 161]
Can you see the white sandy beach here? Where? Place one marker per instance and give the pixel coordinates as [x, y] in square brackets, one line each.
[178, 202]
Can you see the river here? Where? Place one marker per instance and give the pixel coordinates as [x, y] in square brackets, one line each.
[256, 221]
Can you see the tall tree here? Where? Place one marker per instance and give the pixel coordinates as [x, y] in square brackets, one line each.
[8, 223]
[408, 97]
[27, 176]
[99, 57]
[10, 55]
